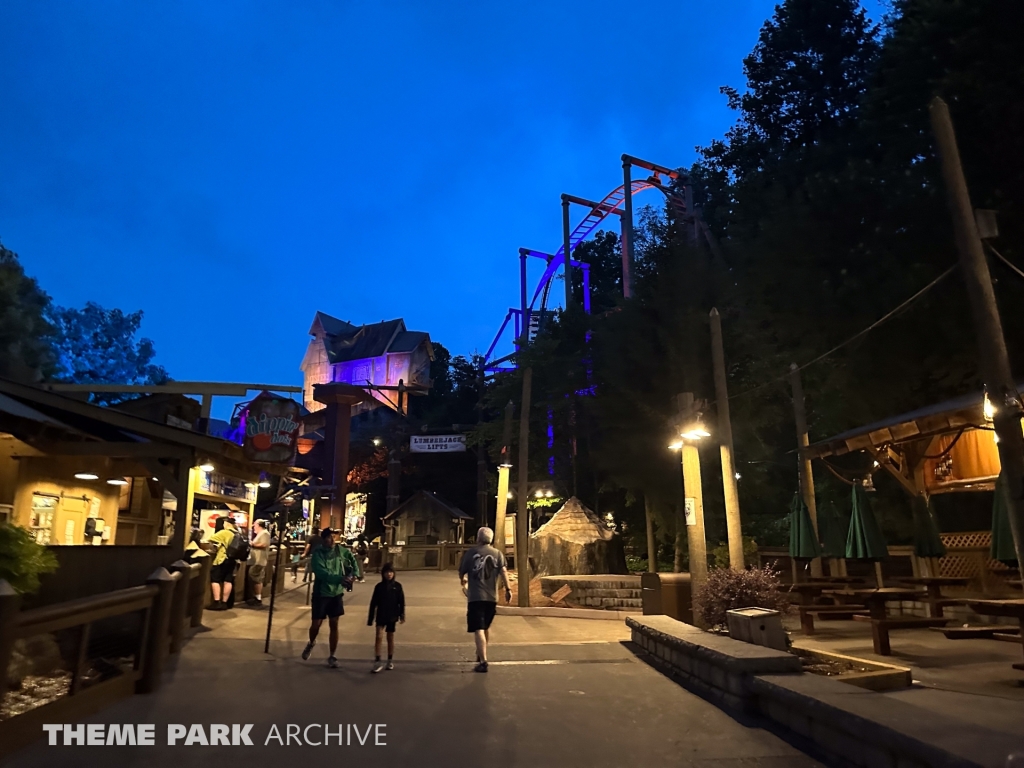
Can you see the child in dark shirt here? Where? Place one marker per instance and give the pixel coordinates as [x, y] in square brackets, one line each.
[387, 606]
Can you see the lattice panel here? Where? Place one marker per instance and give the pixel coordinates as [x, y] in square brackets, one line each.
[961, 566]
[967, 539]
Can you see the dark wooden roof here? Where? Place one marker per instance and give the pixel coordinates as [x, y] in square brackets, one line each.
[432, 499]
[371, 340]
[941, 418]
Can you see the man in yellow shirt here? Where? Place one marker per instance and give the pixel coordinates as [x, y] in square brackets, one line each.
[222, 574]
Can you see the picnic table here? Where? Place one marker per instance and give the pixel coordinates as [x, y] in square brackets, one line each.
[808, 593]
[934, 597]
[881, 623]
[1013, 607]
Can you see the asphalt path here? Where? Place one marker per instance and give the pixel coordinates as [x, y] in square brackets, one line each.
[560, 692]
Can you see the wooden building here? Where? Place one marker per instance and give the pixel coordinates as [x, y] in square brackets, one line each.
[425, 518]
[377, 355]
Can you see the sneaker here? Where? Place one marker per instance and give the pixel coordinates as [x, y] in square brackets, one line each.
[307, 650]
[332, 662]
[391, 664]
[378, 666]
[218, 606]
[481, 667]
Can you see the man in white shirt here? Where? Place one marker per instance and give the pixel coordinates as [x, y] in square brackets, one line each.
[258, 566]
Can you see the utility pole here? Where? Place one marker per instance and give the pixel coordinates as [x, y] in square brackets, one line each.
[733, 525]
[481, 461]
[803, 461]
[693, 494]
[993, 357]
[566, 242]
[522, 528]
[652, 545]
[503, 468]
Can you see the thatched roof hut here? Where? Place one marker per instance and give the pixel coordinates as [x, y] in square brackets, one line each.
[576, 541]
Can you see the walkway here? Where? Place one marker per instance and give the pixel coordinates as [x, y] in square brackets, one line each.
[561, 692]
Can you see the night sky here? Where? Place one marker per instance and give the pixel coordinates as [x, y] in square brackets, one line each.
[230, 168]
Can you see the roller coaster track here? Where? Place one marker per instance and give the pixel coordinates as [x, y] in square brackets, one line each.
[612, 204]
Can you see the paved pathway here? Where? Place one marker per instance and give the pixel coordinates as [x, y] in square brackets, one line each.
[561, 692]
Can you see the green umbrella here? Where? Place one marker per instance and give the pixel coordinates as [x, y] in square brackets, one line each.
[865, 540]
[830, 531]
[927, 542]
[803, 543]
[1002, 540]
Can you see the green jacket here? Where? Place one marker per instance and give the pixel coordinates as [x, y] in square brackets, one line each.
[330, 567]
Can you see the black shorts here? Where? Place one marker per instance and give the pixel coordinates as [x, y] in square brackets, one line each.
[223, 572]
[479, 615]
[327, 607]
[390, 627]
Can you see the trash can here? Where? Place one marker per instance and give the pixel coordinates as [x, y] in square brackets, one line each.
[760, 626]
[669, 594]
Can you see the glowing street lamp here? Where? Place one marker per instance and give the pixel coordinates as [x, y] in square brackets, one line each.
[693, 431]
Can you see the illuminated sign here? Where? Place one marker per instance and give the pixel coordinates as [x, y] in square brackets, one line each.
[271, 429]
[437, 443]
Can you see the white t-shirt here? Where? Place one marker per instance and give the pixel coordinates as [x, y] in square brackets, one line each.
[259, 556]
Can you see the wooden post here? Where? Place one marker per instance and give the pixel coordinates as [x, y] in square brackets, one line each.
[481, 459]
[627, 229]
[522, 523]
[693, 503]
[10, 607]
[803, 462]
[652, 545]
[993, 357]
[503, 471]
[733, 525]
[200, 594]
[566, 247]
[179, 604]
[156, 633]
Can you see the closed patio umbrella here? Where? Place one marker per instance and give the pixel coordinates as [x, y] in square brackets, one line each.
[830, 531]
[1002, 540]
[927, 542]
[864, 540]
[803, 542]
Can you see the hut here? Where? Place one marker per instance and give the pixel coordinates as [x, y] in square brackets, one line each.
[425, 518]
[575, 541]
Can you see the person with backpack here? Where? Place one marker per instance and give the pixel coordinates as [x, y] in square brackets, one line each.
[231, 548]
[334, 570]
[387, 606]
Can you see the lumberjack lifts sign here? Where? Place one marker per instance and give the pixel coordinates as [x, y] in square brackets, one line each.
[437, 443]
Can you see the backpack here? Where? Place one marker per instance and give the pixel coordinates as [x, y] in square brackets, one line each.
[238, 549]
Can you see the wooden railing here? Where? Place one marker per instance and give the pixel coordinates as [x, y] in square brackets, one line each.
[429, 557]
[168, 601]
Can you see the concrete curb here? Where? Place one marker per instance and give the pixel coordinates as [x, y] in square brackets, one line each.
[566, 613]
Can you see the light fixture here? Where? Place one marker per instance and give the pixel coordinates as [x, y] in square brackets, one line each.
[250, 485]
[738, 475]
[539, 494]
[549, 494]
[675, 446]
[117, 481]
[206, 466]
[155, 479]
[876, 464]
[696, 433]
[376, 441]
[264, 483]
[988, 409]
[508, 495]
[86, 476]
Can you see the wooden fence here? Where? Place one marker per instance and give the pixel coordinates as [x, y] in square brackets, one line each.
[425, 557]
[103, 647]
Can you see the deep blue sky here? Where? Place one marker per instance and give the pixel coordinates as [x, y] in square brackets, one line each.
[231, 167]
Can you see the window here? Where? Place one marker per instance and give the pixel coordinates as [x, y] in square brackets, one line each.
[420, 527]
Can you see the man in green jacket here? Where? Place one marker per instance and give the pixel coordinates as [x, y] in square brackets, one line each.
[334, 568]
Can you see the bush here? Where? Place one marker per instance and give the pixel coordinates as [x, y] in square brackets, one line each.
[22, 560]
[721, 552]
[726, 590]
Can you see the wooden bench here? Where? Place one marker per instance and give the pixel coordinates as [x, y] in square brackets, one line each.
[836, 612]
[880, 629]
[964, 633]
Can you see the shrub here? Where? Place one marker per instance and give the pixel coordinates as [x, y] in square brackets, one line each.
[726, 589]
[22, 560]
[721, 552]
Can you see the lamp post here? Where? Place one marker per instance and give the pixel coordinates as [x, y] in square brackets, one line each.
[503, 468]
[690, 433]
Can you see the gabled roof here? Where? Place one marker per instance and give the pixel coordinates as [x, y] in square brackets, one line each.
[407, 341]
[332, 326]
[371, 340]
[433, 500]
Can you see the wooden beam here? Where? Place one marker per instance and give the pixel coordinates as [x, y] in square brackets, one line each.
[905, 483]
[114, 450]
[175, 388]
